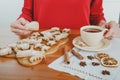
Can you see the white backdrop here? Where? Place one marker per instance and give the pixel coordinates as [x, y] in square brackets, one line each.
[10, 10]
[111, 9]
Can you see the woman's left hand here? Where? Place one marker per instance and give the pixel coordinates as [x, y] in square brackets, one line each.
[113, 30]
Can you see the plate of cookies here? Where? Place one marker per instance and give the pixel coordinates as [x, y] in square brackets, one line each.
[33, 49]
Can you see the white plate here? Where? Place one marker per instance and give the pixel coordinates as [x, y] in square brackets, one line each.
[105, 44]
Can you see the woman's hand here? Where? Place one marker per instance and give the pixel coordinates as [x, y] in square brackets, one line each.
[18, 27]
[113, 29]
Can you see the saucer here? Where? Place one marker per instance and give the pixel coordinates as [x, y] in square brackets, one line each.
[78, 43]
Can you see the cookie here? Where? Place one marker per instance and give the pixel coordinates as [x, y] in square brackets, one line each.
[33, 26]
[7, 52]
[32, 50]
[26, 62]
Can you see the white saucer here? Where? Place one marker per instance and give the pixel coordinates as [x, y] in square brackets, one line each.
[105, 44]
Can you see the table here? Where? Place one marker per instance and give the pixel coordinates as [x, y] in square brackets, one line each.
[10, 69]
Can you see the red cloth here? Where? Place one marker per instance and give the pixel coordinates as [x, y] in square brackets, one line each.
[64, 13]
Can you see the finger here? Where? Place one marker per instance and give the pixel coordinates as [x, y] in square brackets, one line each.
[17, 25]
[110, 37]
[109, 33]
[21, 32]
[15, 30]
[102, 23]
[115, 35]
[111, 24]
[108, 26]
[18, 34]
[23, 21]
[20, 23]
[112, 34]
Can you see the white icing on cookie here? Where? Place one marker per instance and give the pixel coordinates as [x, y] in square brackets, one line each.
[34, 26]
[51, 42]
[64, 35]
[23, 41]
[23, 46]
[5, 51]
[45, 38]
[47, 34]
[58, 37]
[28, 53]
[61, 36]
[32, 41]
[34, 35]
[36, 58]
[12, 45]
[55, 33]
[55, 29]
[39, 40]
[45, 48]
[38, 45]
[66, 30]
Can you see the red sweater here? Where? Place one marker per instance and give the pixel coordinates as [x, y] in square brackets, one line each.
[63, 13]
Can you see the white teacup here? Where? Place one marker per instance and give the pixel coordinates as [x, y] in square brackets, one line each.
[92, 35]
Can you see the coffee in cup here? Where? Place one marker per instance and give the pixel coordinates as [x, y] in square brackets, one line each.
[92, 35]
[92, 30]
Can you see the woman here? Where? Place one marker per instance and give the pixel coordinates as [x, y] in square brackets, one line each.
[63, 13]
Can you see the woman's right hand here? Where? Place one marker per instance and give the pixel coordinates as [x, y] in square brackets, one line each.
[18, 27]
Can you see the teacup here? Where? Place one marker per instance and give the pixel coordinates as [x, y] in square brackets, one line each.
[92, 35]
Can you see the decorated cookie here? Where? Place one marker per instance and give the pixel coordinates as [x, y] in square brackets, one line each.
[33, 49]
[7, 52]
[33, 26]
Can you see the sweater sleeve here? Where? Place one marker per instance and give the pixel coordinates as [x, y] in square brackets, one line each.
[27, 10]
[96, 12]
